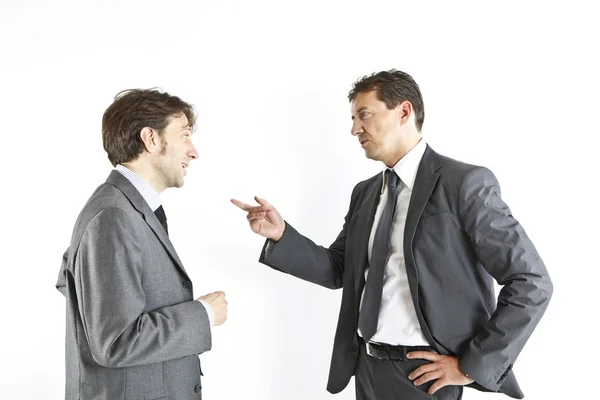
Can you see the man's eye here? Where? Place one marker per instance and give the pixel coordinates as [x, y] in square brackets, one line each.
[364, 114]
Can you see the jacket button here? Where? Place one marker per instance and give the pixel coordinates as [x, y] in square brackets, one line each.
[187, 284]
[197, 388]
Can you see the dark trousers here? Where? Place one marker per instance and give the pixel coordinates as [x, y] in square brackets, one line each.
[378, 379]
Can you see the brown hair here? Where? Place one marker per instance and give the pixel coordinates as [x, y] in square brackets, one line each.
[132, 111]
[393, 87]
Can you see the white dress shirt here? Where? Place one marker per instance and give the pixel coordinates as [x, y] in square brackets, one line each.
[153, 199]
[398, 323]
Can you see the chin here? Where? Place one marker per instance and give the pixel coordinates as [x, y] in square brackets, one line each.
[371, 156]
[176, 183]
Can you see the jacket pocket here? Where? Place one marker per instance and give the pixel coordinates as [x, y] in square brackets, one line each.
[145, 382]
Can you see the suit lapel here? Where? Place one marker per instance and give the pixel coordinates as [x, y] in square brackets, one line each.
[427, 177]
[425, 181]
[137, 201]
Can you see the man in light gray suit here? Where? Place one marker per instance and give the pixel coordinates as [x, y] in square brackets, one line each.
[133, 329]
[421, 246]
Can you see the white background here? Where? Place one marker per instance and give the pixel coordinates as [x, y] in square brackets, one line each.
[511, 85]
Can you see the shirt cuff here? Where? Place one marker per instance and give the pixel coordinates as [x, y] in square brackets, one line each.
[209, 311]
[269, 248]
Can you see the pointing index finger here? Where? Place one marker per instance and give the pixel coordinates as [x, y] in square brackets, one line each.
[242, 205]
[248, 208]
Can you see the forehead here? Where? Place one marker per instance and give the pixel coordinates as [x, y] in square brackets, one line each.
[366, 100]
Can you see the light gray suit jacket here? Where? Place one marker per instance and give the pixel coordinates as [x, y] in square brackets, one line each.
[459, 237]
[133, 330]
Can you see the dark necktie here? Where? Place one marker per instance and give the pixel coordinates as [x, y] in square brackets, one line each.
[160, 214]
[369, 312]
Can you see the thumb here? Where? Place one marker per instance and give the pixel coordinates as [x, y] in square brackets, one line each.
[262, 202]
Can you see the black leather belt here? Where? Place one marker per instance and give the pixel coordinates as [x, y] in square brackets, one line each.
[385, 351]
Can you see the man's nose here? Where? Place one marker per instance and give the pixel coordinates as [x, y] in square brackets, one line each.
[356, 128]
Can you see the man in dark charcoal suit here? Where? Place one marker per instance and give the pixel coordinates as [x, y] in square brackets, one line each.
[421, 246]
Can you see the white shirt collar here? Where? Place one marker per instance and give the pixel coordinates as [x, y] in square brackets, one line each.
[406, 168]
[146, 190]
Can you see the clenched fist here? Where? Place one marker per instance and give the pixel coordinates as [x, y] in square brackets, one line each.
[217, 302]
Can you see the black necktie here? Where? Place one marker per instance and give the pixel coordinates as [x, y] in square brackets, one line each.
[369, 312]
[160, 214]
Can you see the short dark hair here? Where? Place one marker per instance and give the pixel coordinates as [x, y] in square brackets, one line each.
[132, 111]
[393, 87]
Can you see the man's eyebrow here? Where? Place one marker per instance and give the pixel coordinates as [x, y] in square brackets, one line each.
[359, 111]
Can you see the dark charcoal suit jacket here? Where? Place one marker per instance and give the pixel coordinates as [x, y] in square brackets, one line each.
[459, 237]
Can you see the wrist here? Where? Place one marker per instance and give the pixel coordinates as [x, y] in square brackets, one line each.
[277, 237]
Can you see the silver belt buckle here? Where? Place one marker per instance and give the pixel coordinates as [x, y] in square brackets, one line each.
[369, 350]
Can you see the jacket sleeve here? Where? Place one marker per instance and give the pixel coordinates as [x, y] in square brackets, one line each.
[510, 257]
[61, 283]
[299, 256]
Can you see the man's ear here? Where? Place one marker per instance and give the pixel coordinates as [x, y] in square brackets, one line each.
[405, 111]
[151, 140]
